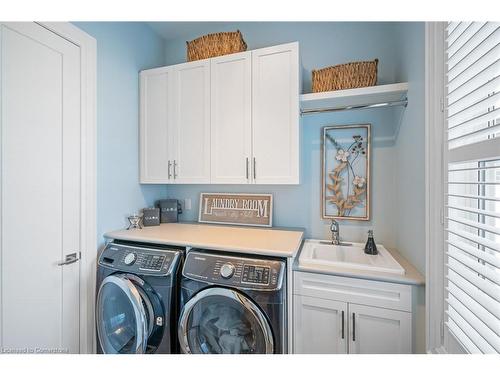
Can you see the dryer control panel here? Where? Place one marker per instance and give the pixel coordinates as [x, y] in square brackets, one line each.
[138, 259]
[243, 273]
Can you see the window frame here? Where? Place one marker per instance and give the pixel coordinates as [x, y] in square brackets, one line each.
[438, 338]
[434, 184]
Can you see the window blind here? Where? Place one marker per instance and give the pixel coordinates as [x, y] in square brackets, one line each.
[472, 154]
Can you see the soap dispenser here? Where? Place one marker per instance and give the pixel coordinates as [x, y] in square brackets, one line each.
[370, 247]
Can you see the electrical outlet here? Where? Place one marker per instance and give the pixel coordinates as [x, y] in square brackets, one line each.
[187, 203]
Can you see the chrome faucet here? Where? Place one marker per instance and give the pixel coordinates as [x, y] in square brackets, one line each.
[334, 228]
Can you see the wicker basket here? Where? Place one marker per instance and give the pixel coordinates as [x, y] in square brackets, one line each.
[345, 76]
[217, 44]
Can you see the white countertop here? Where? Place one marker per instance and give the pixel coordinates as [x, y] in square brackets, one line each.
[276, 242]
[412, 276]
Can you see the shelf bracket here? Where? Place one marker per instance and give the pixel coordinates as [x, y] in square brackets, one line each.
[402, 102]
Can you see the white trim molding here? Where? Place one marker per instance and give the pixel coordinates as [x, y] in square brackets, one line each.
[88, 63]
[434, 184]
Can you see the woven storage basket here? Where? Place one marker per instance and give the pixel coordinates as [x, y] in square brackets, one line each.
[218, 44]
[345, 76]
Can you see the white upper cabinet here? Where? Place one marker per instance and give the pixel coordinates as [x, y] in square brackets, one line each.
[156, 117]
[231, 118]
[191, 123]
[275, 114]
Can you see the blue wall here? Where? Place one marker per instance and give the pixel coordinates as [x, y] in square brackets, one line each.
[299, 205]
[123, 49]
[321, 43]
[324, 44]
[410, 147]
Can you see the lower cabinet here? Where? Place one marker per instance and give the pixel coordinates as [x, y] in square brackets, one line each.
[373, 330]
[320, 326]
[329, 317]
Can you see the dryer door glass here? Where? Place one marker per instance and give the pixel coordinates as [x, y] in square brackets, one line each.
[224, 321]
[122, 316]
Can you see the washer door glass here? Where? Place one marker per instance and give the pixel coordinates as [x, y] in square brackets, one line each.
[224, 321]
[122, 320]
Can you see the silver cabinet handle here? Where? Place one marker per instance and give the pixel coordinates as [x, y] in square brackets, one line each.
[254, 169]
[169, 165]
[70, 258]
[353, 327]
[343, 329]
[175, 169]
[247, 167]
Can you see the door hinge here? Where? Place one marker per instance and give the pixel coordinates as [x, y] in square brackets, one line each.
[441, 216]
[441, 104]
[441, 329]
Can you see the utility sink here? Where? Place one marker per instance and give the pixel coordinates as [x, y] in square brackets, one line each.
[348, 255]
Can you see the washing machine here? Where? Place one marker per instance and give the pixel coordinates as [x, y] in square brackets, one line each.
[137, 298]
[232, 304]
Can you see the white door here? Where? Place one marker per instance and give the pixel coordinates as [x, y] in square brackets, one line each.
[379, 331]
[320, 326]
[231, 118]
[191, 124]
[155, 127]
[40, 189]
[275, 114]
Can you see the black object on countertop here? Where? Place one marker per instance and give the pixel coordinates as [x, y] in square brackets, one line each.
[370, 247]
[169, 210]
[151, 216]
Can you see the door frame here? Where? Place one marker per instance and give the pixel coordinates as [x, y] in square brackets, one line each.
[88, 230]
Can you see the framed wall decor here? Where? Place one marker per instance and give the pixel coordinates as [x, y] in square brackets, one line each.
[345, 177]
[236, 209]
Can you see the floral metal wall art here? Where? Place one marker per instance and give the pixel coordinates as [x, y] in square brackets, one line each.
[346, 172]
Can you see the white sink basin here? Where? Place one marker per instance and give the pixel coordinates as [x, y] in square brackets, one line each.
[316, 252]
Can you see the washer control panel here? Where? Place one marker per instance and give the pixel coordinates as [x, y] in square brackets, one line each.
[136, 259]
[153, 262]
[249, 273]
[255, 274]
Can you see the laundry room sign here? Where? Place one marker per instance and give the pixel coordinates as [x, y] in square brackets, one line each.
[237, 209]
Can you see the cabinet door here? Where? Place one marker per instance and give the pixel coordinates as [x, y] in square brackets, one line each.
[275, 114]
[231, 125]
[191, 124]
[155, 120]
[320, 326]
[373, 330]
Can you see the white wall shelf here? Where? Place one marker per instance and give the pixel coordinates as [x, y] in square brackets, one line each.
[366, 97]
